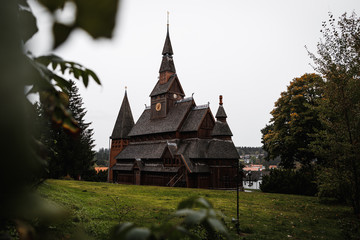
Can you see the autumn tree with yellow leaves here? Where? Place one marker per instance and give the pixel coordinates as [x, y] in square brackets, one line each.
[294, 122]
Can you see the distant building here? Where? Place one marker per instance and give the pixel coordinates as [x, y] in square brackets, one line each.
[174, 142]
[252, 179]
[253, 168]
[98, 169]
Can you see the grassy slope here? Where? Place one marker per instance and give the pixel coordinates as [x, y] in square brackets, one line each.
[262, 216]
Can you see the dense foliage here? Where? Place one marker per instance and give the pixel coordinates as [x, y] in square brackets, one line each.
[93, 176]
[23, 74]
[294, 121]
[338, 60]
[102, 157]
[250, 150]
[71, 154]
[302, 182]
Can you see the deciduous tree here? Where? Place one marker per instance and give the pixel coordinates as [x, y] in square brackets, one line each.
[338, 60]
[294, 121]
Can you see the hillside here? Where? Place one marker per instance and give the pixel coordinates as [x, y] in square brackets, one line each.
[96, 207]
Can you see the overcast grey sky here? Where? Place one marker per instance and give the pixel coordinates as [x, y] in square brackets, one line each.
[247, 51]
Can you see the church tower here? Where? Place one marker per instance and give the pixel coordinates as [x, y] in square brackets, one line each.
[119, 137]
[221, 129]
[168, 89]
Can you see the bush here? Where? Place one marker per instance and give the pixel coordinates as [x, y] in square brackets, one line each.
[92, 176]
[332, 185]
[301, 182]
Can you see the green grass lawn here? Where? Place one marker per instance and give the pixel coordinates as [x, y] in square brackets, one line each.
[96, 207]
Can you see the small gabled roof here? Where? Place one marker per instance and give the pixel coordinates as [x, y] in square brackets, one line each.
[164, 88]
[171, 123]
[221, 129]
[124, 121]
[194, 119]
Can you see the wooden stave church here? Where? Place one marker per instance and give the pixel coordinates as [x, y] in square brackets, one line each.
[174, 142]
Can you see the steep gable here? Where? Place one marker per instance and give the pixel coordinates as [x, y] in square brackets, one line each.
[124, 121]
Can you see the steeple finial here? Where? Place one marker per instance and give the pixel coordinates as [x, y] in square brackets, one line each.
[167, 50]
[168, 19]
[167, 64]
[220, 100]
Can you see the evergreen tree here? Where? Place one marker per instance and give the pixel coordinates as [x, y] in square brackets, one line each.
[71, 154]
[102, 157]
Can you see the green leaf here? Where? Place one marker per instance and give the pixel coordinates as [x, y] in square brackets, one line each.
[196, 217]
[183, 212]
[63, 67]
[138, 234]
[202, 202]
[119, 231]
[61, 82]
[216, 225]
[94, 76]
[54, 65]
[85, 78]
[97, 17]
[53, 5]
[27, 23]
[195, 202]
[61, 33]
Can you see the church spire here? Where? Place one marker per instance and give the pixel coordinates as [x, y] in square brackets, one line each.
[124, 121]
[221, 115]
[167, 64]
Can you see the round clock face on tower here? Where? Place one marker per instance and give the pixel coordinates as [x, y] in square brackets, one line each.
[158, 107]
[175, 96]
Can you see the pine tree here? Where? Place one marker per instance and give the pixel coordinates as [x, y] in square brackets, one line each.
[72, 154]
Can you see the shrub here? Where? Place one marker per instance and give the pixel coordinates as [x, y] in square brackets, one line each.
[92, 176]
[301, 182]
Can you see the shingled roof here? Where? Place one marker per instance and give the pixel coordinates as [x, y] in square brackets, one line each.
[207, 149]
[143, 151]
[221, 129]
[164, 88]
[194, 119]
[221, 112]
[124, 122]
[145, 125]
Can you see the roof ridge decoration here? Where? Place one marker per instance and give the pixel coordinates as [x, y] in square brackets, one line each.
[185, 100]
[221, 114]
[203, 106]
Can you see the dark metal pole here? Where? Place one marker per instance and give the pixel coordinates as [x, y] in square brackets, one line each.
[237, 198]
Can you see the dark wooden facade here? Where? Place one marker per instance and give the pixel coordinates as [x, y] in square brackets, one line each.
[174, 142]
